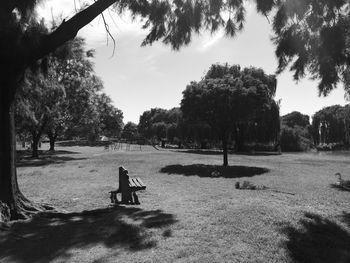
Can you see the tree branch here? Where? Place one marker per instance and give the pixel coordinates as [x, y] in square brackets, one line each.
[67, 30]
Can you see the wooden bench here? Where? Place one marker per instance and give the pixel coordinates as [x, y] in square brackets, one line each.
[128, 186]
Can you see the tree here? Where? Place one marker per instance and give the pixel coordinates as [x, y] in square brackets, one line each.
[296, 118]
[152, 123]
[71, 66]
[38, 104]
[110, 118]
[329, 125]
[130, 131]
[229, 100]
[296, 132]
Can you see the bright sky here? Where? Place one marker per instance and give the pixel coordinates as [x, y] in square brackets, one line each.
[140, 78]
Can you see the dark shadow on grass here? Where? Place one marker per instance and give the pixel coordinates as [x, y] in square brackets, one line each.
[57, 152]
[204, 152]
[346, 218]
[203, 170]
[28, 153]
[51, 235]
[318, 240]
[219, 152]
[83, 143]
[41, 161]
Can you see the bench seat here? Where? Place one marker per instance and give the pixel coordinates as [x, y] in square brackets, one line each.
[136, 184]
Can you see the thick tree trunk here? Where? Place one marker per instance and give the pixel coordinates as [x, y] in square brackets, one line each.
[8, 177]
[35, 143]
[12, 202]
[10, 196]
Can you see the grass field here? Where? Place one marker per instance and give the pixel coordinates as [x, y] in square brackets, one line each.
[186, 215]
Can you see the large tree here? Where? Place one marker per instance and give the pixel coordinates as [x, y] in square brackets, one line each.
[228, 100]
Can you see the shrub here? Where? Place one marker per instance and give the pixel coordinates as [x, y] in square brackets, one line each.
[295, 139]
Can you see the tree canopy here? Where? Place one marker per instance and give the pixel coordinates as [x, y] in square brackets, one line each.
[232, 98]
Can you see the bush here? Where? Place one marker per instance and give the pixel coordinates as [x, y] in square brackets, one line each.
[296, 139]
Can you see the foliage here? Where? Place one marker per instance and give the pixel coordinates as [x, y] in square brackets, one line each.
[160, 123]
[295, 139]
[312, 36]
[130, 131]
[331, 125]
[296, 133]
[234, 97]
[110, 118]
[38, 103]
[295, 118]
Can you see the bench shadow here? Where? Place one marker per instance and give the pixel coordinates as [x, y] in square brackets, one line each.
[203, 170]
[45, 160]
[318, 240]
[51, 235]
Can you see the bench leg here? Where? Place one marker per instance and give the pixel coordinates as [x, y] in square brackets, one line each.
[113, 197]
[126, 197]
[136, 198]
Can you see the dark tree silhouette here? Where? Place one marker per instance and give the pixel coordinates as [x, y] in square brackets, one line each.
[330, 125]
[296, 132]
[228, 100]
[296, 118]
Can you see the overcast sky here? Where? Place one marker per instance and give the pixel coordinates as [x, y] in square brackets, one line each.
[140, 78]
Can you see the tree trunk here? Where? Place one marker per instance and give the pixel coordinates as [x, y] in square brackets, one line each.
[8, 177]
[224, 147]
[52, 143]
[12, 202]
[10, 195]
[35, 143]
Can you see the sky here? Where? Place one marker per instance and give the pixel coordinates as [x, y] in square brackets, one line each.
[140, 78]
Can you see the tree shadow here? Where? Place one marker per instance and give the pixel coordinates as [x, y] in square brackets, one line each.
[83, 143]
[318, 240]
[203, 170]
[41, 161]
[219, 152]
[203, 152]
[57, 152]
[49, 235]
[346, 218]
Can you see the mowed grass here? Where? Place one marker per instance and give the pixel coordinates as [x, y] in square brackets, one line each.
[186, 214]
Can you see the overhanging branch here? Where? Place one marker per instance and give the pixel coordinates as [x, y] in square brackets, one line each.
[67, 30]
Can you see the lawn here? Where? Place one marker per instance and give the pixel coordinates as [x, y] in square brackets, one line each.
[186, 214]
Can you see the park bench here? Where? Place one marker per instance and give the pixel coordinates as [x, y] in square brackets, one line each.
[128, 186]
